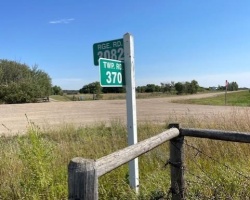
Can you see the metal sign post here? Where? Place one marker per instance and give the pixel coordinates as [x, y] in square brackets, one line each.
[129, 63]
[226, 85]
[108, 55]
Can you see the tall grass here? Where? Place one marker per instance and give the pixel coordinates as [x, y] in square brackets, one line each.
[107, 96]
[34, 166]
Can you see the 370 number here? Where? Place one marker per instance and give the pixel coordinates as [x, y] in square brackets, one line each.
[114, 54]
[114, 77]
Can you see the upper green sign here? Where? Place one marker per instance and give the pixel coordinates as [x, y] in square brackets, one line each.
[111, 50]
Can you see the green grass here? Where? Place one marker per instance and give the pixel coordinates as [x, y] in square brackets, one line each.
[34, 166]
[60, 98]
[241, 98]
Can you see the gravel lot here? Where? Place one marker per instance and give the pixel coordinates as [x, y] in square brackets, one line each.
[14, 119]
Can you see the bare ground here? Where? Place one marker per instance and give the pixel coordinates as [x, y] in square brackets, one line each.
[14, 119]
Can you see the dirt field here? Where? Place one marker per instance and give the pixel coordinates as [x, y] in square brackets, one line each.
[15, 118]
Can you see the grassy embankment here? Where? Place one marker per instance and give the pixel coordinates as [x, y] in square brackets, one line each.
[241, 98]
[34, 166]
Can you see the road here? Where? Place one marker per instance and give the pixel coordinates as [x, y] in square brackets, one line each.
[15, 118]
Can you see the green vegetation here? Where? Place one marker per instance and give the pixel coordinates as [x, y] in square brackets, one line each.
[232, 86]
[95, 91]
[21, 84]
[91, 88]
[60, 98]
[56, 90]
[34, 166]
[241, 98]
[170, 88]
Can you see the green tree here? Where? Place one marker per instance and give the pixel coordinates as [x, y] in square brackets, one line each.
[141, 89]
[151, 88]
[21, 84]
[1, 75]
[191, 88]
[179, 87]
[12, 71]
[91, 88]
[233, 86]
[56, 90]
[157, 88]
[41, 82]
[166, 87]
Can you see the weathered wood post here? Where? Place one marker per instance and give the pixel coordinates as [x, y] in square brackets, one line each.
[176, 162]
[82, 179]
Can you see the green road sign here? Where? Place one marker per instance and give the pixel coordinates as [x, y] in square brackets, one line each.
[111, 50]
[111, 73]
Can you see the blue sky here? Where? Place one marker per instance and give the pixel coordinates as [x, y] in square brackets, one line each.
[175, 40]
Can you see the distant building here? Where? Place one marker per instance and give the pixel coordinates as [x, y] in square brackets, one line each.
[213, 88]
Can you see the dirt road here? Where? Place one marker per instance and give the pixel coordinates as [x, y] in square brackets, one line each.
[14, 118]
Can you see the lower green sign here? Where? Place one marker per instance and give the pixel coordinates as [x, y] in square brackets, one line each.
[112, 73]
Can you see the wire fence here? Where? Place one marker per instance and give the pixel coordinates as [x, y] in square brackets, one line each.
[208, 177]
[212, 170]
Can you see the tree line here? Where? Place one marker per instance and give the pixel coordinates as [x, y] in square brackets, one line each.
[171, 87]
[21, 84]
[232, 86]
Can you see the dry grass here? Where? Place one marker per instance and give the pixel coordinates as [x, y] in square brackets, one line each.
[207, 176]
[112, 96]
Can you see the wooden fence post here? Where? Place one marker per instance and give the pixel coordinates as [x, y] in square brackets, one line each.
[82, 179]
[176, 162]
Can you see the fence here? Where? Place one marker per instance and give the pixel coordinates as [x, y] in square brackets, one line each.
[83, 173]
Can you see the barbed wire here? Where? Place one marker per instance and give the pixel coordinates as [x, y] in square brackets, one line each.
[201, 179]
[217, 161]
[216, 185]
[200, 168]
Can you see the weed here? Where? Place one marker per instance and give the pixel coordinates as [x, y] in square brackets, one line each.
[34, 166]
[37, 157]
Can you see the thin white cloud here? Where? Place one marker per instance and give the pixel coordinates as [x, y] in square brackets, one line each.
[62, 21]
